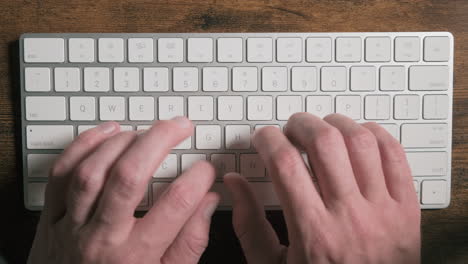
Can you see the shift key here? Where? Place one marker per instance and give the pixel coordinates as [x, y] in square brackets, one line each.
[424, 135]
[48, 136]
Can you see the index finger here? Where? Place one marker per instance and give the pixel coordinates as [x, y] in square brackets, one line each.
[291, 178]
[128, 179]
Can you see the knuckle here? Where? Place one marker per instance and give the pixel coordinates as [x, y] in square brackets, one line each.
[196, 244]
[177, 195]
[85, 179]
[124, 175]
[327, 137]
[394, 150]
[362, 138]
[286, 160]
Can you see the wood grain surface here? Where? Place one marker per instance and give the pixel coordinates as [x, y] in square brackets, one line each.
[445, 232]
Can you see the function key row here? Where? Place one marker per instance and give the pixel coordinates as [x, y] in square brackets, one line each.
[231, 49]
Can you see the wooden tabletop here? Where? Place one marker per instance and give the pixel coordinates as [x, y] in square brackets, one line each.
[445, 232]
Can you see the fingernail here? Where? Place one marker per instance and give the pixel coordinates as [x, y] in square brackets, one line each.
[182, 121]
[210, 209]
[107, 127]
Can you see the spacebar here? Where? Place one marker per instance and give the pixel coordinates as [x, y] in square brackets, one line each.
[264, 192]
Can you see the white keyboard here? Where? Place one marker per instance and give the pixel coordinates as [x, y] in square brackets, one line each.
[230, 84]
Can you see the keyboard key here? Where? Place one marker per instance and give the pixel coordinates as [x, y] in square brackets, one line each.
[170, 107]
[156, 79]
[259, 108]
[200, 50]
[200, 108]
[378, 49]
[274, 79]
[289, 49]
[428, 78]
[168, 168]
[433, 192]
[187, 160]
[185, 79]
[126, 79]
[436, 48]
[44, 50]
[348, 105]
[407, 49]
[320, 105]
[111, 50]
[288, 105]
[427, 163]
[259, 50]
[244, 79]
[223, 163]
[186, 144]
[37, 79]
[363, 78]
[39, 165]
[111, 108]
[266, 125]
[215, 79]
[251, 166]
[83, 128]
[170, 50]
[82, 108]
[392, 129]
[48, 136]
[67, 79]
[319, 49]
[424, 135]
[40, 108]
[348, 49]
[377, 107]
[208, 137]
[406, 106]
[81, 50]
[304, 79]
[140, 50]
[96, 79]
[333, 79]
[141, 108]
[36, 193]
[237, 136]
[230, 49]
[392, 78]
[230, 107]
[435, 106]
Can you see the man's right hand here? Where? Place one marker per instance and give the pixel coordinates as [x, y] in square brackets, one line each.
[363, 208]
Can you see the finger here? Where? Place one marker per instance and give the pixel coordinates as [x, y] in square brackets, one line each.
[90, 176]
[364, 156]
[128, 179]
[327, 154]
[193, 239]
[176, 205]
[85, 143]
[291, 179]
[256, 235]
[397, 173]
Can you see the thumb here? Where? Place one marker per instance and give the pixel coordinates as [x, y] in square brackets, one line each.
[192, 240]
[256, 235]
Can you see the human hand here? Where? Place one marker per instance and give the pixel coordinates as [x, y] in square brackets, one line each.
[363, 208]
[96, 185]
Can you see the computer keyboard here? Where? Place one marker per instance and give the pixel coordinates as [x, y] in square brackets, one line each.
[230, 84]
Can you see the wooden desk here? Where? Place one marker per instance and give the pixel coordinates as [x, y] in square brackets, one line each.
[445, 232]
